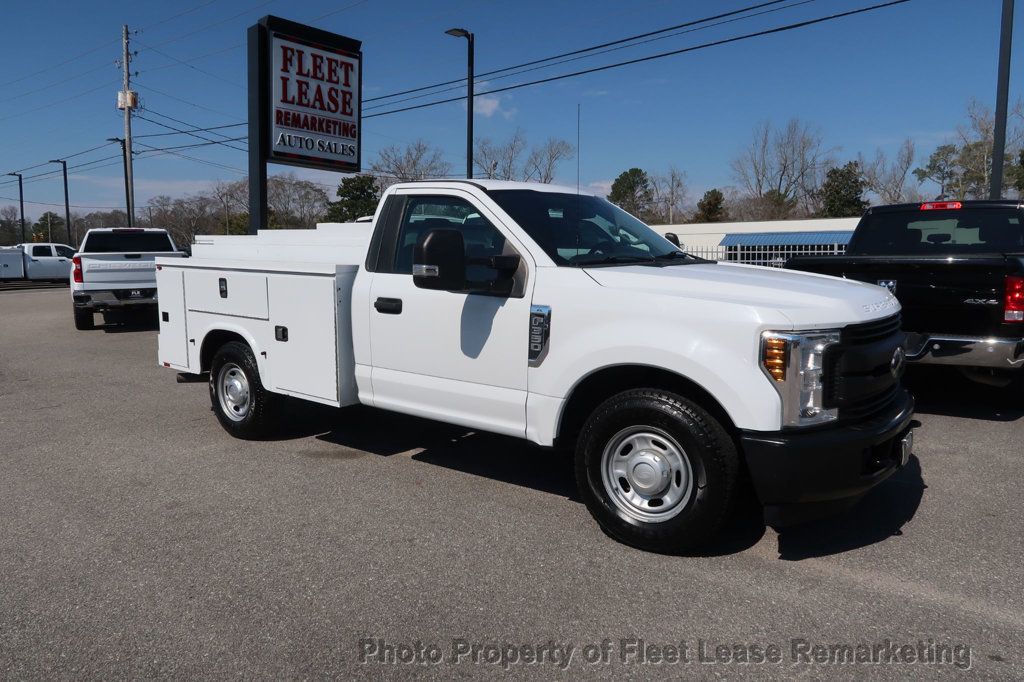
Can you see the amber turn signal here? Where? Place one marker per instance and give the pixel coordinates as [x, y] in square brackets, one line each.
[774, 357]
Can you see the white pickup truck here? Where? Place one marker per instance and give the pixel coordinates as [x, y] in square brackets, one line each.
[538, 312]
[114, 269]
[36, 261]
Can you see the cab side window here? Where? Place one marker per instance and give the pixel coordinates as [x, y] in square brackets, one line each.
[41, 250]
[421, 214]
[64, 251]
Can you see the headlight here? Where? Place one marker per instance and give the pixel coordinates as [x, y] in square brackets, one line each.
[794, 362]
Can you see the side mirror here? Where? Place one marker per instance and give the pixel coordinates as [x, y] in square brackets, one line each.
[672, 237]
[439, 260]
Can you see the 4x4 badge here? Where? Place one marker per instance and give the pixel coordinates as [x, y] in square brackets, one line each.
[889, 284]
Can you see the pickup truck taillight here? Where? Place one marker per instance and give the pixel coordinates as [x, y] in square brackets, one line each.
[1013, 308]
[76, 269]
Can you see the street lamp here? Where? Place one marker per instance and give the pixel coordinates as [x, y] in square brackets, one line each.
[67, 206]
[127, 192]
[21, 200]
[463, 33]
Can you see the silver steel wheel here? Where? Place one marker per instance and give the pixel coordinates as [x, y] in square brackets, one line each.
[233, 392]
[646, 474]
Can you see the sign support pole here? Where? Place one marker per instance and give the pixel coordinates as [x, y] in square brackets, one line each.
[259, 132]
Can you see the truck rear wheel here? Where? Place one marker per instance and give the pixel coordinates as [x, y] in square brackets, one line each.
[83, 319]
[243, 406]
[656, 470]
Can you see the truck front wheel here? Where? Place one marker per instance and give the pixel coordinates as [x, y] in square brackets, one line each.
[656, 470]
[242, 405]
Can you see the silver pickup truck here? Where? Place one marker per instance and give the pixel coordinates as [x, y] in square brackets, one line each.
[114, 269]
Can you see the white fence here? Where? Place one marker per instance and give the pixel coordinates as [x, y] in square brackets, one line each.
[771, 255]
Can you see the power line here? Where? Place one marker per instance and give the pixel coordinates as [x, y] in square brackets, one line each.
[191, 66]
[104, 45]
[59, 101]
[519, 72]
[192, 125]
[192, 146]
[693, 22]
[192, 158]
[183, 101]
[179, 131]
[606, 67]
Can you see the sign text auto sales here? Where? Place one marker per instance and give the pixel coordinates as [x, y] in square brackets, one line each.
[314, 103]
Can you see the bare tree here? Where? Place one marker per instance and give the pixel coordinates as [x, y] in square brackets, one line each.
[10, 225]
[500, 161]
[785, 165]
[669, 196]
[889, 179]
[543, 160]
[232, 199]
[293, 202]
[416, 161]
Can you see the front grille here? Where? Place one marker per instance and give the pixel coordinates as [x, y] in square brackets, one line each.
[870, 332]
[858, 378]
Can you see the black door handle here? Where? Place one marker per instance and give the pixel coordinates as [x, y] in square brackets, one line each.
[388, 306]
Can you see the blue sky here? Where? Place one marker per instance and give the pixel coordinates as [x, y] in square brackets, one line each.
[866, 82]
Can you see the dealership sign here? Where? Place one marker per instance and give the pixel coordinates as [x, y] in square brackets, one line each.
[305, 103]
[314, 103]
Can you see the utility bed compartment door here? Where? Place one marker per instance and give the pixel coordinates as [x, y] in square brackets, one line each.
[172, 342]
[304, 353]
[227, 292]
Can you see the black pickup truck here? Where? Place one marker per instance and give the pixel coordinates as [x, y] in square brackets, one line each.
[957, 268]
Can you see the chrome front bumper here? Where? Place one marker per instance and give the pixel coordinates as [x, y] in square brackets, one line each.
[965, 351]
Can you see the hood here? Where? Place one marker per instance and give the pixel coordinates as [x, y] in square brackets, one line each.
[807, 300]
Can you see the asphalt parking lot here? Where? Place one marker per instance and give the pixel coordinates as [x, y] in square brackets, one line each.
[138, 539]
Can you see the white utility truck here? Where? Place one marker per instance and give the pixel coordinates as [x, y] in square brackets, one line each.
[114, 270]
[38, 261]
[550, 315]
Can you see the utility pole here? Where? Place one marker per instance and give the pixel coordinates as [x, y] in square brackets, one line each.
[1002, 97]
[21, 201]
[127, 100]
[67, 206]
[127, 191]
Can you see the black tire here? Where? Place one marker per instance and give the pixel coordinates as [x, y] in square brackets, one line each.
[257, 419]
[83, 319]
[709, 458]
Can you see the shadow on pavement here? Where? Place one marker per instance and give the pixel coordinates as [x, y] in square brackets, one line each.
[944, 391]
[118, 322]
[880, 515]
[31, 285]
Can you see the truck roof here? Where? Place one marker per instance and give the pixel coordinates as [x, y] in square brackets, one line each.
[127, 229]
[490, 185]
[965, 203]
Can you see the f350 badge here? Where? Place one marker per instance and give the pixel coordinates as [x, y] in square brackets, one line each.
[889, 284]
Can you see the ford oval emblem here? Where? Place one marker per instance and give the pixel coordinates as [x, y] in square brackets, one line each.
[899, 359]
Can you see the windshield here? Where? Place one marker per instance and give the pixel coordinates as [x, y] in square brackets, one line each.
[579, 230]
[916, 232]
[127, 241]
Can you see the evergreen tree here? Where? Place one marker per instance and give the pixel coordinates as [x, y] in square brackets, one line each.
[711, 208]
[842, 193]
[357, 197]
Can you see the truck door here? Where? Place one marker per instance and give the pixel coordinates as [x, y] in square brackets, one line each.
[64, 256]
[42, 263]
[457, 357]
